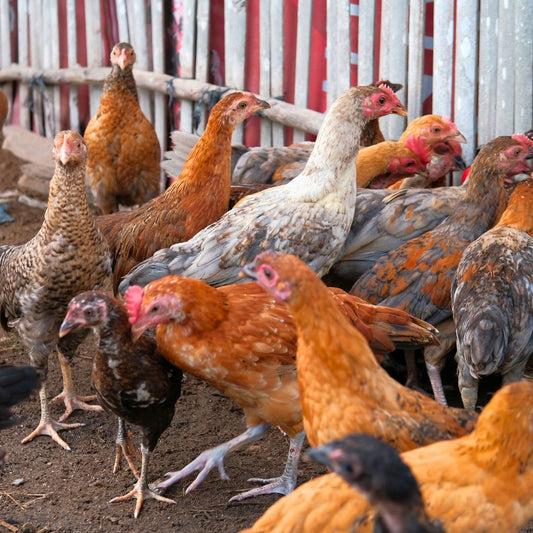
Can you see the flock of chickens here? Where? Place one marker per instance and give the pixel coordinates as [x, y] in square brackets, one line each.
[182, 284]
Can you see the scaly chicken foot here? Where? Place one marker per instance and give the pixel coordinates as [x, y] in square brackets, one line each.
[283, 484]
[69, 396]
[141, 491]
[436, 383]
[48, 426]
[125, 449]
[214, 457]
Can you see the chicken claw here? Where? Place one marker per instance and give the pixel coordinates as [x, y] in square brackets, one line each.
[125, 449]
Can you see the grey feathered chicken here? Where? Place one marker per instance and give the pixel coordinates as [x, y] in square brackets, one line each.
[492, 299]
[309, 217]
[38, 279]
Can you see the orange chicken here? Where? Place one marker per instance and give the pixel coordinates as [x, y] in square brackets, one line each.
[480, 483]
[342, 388]
[243, 343]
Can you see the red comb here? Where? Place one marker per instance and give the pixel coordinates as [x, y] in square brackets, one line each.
[522, 139]
[132, 301]
[417, 146]
[388, 90]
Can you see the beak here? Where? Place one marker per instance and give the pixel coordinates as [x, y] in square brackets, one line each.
[459, 163]
[320, 454]
[400, 110]
[424, 172]
[530, 155]
[67, 326]
[248, 271]
[459, 137]
[136, 331]
[261, 104]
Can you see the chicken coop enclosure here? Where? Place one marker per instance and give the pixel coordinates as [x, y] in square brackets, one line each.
[471, 60]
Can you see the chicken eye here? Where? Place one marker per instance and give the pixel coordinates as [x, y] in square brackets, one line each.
[267, 273]
[381, 100]
[154, 309]
[410, 164]
[517, 152]
[436, 129]
[88, 313]
[243, 105]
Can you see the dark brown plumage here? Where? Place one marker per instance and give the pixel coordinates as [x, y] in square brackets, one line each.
[38, 279]
[132, 380]
[16, 384]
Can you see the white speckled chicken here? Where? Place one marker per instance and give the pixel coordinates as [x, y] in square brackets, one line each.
[38, 279]
[309, 217]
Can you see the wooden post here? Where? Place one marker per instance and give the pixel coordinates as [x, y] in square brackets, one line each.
[72, 36]
[505, 78]
[5, 43]
[365, 45]
[443, 57]
[123, 22]
[202, 47]
[51, 60]
[523, 109]
[23, 59]
[415, 70]
[93, 30]
[276, 60]
[187, 60]
[465, 74]
[338, 48]
[265, 72]
[158, 54]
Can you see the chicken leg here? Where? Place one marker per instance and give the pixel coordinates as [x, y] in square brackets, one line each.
[48, 426]
[124, 449]
[212, 458]
[286, 482]
[141, 491]
[68, 395]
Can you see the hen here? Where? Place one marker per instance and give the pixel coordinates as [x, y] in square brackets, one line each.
[132, 380]
[492, 299]
[124, 165]
[342, 388]
[198, 197]
[310, 216]
[480, 483]
[417, 276]
[243, 343]
[377, 471]
[38, 279]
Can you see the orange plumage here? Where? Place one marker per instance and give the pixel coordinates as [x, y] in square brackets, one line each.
[198, 197]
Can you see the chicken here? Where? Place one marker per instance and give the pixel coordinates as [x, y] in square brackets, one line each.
[377, 471]
[38, 279]
[480, 483]
[492, 299]
[16, 384]
[243, 343]
[124, 165]
[417, 276]
[342, 388]
[198, 197]
[310, 216]
[132, 380]
[261, 165]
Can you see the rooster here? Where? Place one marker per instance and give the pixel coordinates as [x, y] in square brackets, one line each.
[132, 380]
[243, 343]
[124, 165]
[342, 388]
[310, 216]
[198, 197]
[417, 276]
[480, 483]
[38, 279]
[492, 298]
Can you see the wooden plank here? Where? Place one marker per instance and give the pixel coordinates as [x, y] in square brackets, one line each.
[187, 56]
[276, 59]
[465, 74]
[393, 57]
[5, 43]
[36, 47]
[234, 46]
[523, 109]
[303, 53]
[202, 46]
[139, 36]
[51, 60]
[265, 71]
[338, 48]
[123, 22]
[365, 43]
[93, 30]
[505, 74]
[72, 37]
[488, 52]
[23, 59]
[415, 70]
[158, 52]
[443, 57]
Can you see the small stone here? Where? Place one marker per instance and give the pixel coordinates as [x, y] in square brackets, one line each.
[19, 481]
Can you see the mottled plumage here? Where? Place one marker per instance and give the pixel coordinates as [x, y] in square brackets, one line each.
[492, 298]
[37, 279]
[310, 216]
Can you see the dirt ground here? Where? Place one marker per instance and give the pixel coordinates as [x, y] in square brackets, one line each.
[44, 488]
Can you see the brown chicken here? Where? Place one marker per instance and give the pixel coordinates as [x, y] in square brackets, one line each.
[480, 483]
[492, 299]
[342, 388]
[310, 216]
[417, 276]
[377, 471]
[132, 379]
[124, 165]
[198, 197]
[243, 343]
[38, 279]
